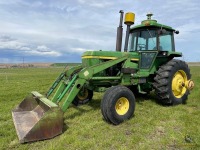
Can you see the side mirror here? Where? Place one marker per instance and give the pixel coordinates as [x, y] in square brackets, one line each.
[177, 32]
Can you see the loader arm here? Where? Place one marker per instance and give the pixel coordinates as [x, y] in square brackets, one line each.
[85, 75]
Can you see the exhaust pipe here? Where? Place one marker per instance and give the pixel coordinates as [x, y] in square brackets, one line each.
[119, 32]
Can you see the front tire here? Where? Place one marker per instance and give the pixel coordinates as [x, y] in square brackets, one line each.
[170, 82]
[83, 97]
[118, 104]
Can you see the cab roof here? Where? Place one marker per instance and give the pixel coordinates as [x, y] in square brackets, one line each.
[151, 23]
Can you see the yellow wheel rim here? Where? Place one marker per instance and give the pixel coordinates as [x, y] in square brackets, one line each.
[179, 83]
[122, 106]
[83, 94]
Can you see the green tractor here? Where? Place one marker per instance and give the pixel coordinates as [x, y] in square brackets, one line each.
[146, 64]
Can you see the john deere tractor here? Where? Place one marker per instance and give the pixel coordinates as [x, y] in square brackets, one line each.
[146, 64]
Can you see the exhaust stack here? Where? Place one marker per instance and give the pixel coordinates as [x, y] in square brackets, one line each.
[119, 32]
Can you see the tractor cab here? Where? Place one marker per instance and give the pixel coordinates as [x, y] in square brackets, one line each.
[151, 36]
[152, 40]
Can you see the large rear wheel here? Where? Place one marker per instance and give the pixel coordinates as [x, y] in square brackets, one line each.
[172, 81]
[118, 104]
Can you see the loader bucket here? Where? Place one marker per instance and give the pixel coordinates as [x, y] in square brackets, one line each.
[37, 118]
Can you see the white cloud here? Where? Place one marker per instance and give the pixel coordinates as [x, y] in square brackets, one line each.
[96, 3]
[6, 42]
[42, 48]
[9, 2]
[100, 4]
[10, 44]
[79, 50]
[46, 53]
[24, 48]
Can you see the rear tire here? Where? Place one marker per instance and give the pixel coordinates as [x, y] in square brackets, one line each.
[118, 104]
[170, 82]
[83, 97]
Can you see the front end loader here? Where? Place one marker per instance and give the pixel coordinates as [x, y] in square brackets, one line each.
[147, 64]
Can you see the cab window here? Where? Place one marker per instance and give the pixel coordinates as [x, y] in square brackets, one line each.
[146, 39]
[165, 41]
[142, 40]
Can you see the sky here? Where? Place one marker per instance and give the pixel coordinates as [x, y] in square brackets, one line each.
[61, 30]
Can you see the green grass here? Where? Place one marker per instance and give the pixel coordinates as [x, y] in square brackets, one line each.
[152, 127]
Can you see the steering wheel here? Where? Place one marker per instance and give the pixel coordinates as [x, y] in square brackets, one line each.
[141, 46]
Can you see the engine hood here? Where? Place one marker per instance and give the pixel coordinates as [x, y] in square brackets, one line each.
[108, 54]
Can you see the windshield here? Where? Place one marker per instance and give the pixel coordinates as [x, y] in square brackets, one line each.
[147, 40]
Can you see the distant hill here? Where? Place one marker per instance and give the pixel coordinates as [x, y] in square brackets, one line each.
[37, 65]
[24, 65]
[194, 63]
[64, 64]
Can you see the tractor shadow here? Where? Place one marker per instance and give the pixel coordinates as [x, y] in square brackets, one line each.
[94, 104]
[79, 110]
[140, 98]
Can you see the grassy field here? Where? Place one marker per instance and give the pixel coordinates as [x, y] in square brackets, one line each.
[152, 127]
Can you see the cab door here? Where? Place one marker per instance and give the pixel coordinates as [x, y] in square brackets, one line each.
[147, 59]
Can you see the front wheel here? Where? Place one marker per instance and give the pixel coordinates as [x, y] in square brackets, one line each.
[118, 104]
[83, 97]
